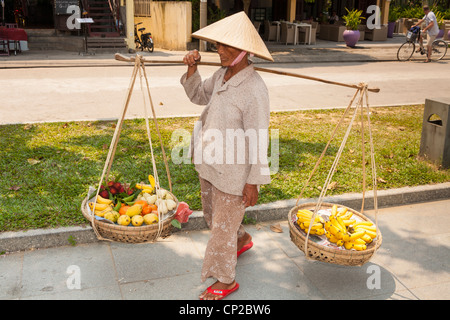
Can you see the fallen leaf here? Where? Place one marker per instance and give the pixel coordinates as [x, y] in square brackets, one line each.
[65, 125]
[14, 188]
[28, 126]
[381, 180]
[33, 161]
[161, 104]
[276, 228]
[105, 146]
[332, 185]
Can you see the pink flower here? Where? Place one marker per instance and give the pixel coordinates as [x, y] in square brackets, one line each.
[183, 212]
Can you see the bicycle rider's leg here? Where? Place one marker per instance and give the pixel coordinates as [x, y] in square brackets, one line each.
[430, 40]
[420, 43]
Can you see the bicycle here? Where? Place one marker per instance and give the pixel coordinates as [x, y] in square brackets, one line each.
[144, 41]
[405, 52]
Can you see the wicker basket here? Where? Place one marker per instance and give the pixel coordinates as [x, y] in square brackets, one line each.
[322, 253]
[129, 234]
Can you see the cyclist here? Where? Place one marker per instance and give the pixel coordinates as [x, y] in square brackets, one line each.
[431, 28]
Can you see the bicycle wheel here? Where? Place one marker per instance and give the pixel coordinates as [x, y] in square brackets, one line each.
[406, 51]
[438, 50]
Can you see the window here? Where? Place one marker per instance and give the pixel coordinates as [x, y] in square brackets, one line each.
[142, 8]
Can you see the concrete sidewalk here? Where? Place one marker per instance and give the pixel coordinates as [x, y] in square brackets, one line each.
[412, 263]
[321, 51]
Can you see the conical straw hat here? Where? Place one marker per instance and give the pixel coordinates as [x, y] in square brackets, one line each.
[235, 31]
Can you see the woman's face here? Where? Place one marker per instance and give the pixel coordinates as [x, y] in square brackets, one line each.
[227, 54]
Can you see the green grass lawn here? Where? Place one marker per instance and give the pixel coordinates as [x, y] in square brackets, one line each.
[46, 169]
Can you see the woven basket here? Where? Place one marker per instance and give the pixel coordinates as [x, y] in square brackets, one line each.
[129, 234]
[325, 254]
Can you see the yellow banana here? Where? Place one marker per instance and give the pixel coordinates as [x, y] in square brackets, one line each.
[334, 210]
[354, 245]
[358, 241]
[143, 186]
[336, 232]
[370, 228]
[349, 222]
[337, 224]
[363, 223]
[353, 236]
[372, 234]
[342, 224]
[152, 180]
[101, 213]
[348, 245]
[342, 212]
[366, 238]
[333, 239]
[340, 243]
[346, 216]
[98, 206]
[314, 225]
[320, 232]
[102, 200]
[147, 190]
[359, 247]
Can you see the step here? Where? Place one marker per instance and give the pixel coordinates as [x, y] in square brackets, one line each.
[104, 34]
[100, 14]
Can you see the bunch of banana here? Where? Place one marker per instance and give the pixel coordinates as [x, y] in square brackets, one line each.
[101, 206]
[361, 234]
[304, 218]
[344, 231]
[147, 188]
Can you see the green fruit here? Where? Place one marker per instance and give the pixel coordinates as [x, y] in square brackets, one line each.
[110, 216]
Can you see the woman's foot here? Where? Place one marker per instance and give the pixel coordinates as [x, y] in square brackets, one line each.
[242, 241]
[218, 290]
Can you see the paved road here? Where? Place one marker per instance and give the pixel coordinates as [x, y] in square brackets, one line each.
[88, 93]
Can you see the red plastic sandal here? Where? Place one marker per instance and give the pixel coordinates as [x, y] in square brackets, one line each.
[245, 248]
[222, 293]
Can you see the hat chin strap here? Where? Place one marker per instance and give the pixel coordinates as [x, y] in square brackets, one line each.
[239, 58]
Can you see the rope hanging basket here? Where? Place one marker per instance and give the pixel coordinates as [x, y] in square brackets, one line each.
[109, 230]
[130, 234]
[319, 246]
[320, 249]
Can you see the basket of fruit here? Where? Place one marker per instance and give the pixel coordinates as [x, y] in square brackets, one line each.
[338, 234]
[122, 213]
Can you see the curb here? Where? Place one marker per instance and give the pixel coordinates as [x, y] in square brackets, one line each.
[46, 238]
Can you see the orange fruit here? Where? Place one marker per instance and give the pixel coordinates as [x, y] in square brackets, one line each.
[143, 203]
[123, 210]
[146, 210]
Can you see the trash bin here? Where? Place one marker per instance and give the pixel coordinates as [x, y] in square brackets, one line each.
[435, 141]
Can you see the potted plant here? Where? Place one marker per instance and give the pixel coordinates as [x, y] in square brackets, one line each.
[394, 14]
[352, 21]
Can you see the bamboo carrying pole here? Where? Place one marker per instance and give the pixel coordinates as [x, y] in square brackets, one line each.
[121, 57]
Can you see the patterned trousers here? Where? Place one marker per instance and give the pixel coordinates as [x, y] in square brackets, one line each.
[223, 213]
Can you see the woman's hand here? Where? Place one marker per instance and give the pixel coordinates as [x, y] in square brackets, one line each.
[250, 195]
[191, 58]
